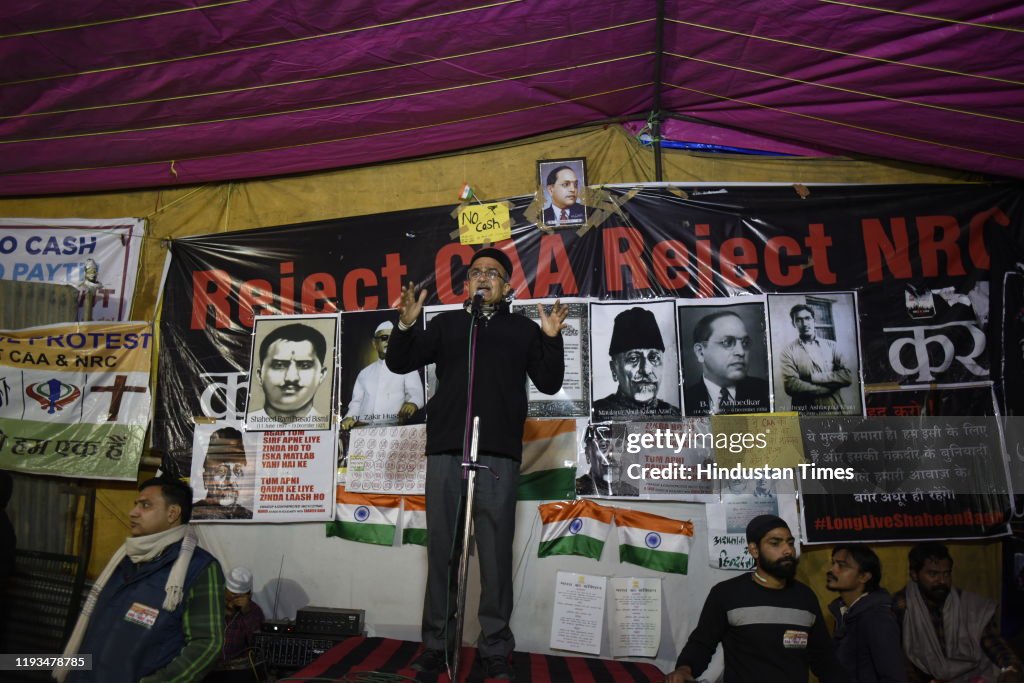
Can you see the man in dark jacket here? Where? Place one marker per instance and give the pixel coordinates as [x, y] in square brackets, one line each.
[769, 624]
[509, 348]
[156, 612]
[867, 637]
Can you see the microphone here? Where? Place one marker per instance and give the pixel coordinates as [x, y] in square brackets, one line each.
[478, 302]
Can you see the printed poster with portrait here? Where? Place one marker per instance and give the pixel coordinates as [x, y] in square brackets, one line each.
[293, 372]
[724, 350]
[649, 460]
[816, 353]
[271, 476]
[561, 187]
[372, 395]
[634, 359]
[573, 400]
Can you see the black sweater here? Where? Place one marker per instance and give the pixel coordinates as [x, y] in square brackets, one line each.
[769, 635]
[509, 347]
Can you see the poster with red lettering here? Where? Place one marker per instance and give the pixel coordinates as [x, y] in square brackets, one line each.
[273, 476]
[900, 248]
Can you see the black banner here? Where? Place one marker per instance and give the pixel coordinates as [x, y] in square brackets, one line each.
[883, 242]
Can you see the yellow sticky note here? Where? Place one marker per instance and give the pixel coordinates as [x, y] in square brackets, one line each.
[479, 223]
[771, 439]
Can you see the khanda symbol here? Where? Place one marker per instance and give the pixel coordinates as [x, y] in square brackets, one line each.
[53, 394]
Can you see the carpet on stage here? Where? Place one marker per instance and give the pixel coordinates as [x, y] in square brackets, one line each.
[395, 656]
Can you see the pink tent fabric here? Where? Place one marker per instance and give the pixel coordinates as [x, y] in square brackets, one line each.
[102, 95]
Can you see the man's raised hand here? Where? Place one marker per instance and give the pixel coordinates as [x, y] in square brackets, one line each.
[552, 323]
[409, 305]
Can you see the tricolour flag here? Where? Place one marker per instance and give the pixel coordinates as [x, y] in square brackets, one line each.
[549, 460]
[574, 528]
[364, 517]
[651, 541]
[414, 520]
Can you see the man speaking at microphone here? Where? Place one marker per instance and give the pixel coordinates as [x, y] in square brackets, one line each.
[509, 348]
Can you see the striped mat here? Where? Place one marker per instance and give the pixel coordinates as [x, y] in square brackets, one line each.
[394, 656]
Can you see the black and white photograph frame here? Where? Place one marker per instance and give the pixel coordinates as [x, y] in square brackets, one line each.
[816, 353]
[635, 361]
[573, 399]
[562, 184]
[370, 393]
[290, 385]
[723, 346]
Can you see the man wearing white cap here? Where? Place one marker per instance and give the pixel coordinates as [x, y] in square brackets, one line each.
[243, 617]
[382, 397]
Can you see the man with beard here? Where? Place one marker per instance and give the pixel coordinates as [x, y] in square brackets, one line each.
[563, 187]
[867, 638]
[722, 347]
[949, 634]
[226, 477]
[770, 625]
[637, 354]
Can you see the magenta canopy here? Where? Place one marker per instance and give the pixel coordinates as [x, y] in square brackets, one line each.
[108, 94]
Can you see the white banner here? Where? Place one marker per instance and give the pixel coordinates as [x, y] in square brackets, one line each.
[98, 257]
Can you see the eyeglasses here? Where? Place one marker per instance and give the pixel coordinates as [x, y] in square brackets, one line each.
[237, 470]
[652, 357]
[490, 274]
[730, 342]
[383, 337]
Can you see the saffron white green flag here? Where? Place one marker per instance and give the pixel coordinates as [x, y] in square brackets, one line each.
[574, 528]
[364, 517]
[549, 460]
[414, 520]
[655, 542]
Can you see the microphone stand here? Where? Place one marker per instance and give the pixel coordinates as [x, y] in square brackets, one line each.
[469, 468]
[469, 475]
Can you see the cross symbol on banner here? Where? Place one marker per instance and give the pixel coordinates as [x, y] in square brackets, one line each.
[117, 393]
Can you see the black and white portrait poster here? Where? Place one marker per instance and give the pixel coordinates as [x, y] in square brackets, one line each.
[635, 363]
[724, 351]
[815, 353]
[561, 186]
[270, 476]
[573, 400]
[370, 393]
[293, 371]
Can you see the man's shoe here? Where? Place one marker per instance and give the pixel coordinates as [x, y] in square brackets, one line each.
[499, 668]
[430, 661]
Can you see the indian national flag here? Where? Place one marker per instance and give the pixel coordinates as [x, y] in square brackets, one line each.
[549, 460]
[658, 543]
[414, 520]
[574, 528]
[363, 517]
